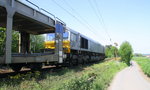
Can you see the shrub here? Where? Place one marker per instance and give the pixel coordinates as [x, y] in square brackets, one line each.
[144, 62]
[111, 51]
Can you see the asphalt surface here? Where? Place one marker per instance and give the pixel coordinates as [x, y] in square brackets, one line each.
[130, 79]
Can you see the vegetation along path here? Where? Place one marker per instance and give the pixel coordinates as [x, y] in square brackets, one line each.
[83, 77]
[130, 79]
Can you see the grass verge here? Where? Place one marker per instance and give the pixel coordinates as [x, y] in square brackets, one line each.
[144, 62]
[89, 77]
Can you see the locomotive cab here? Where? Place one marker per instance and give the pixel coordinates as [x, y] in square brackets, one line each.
[50, 42]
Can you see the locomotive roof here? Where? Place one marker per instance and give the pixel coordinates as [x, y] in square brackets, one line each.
[69, 29]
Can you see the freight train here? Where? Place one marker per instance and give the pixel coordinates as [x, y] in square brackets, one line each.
[63, 46]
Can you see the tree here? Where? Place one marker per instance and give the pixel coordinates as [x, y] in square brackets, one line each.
[111, 51]
[114, 51]
[107, 51]
[37, 43]
[2, 40]
[126, 52]
[15, 40]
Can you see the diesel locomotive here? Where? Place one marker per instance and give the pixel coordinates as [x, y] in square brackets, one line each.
[77, 48]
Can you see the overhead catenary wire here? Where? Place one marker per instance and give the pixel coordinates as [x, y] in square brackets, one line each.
[74, 17]
[85, 22]
[69, 12]
[78, 14]
[99, 16]
[104, 25]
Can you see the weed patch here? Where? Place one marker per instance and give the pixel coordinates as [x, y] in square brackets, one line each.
[87, 77]
[144, 63]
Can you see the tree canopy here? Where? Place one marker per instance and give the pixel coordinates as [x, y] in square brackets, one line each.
[2, 40]
[111, 51]
[15, 40]
[126, 52]
[37, 41]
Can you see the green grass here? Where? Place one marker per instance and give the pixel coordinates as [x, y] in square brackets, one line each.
[88, 77]
[144, 62]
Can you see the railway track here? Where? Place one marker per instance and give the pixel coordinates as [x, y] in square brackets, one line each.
[6, 73]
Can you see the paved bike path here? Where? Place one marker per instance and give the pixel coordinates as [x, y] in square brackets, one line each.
[130, 79]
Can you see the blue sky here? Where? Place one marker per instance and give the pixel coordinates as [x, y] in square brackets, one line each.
[125, 20]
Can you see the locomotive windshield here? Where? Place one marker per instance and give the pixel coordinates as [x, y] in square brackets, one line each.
[51, 36]
[65, 35]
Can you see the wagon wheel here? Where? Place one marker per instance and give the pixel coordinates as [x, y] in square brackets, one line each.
[70, 64]
[16, 67]
[77, 62]
[83, 61]
[36, 67]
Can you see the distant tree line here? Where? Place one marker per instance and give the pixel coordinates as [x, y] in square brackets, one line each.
[138, 55]
[37, 41]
